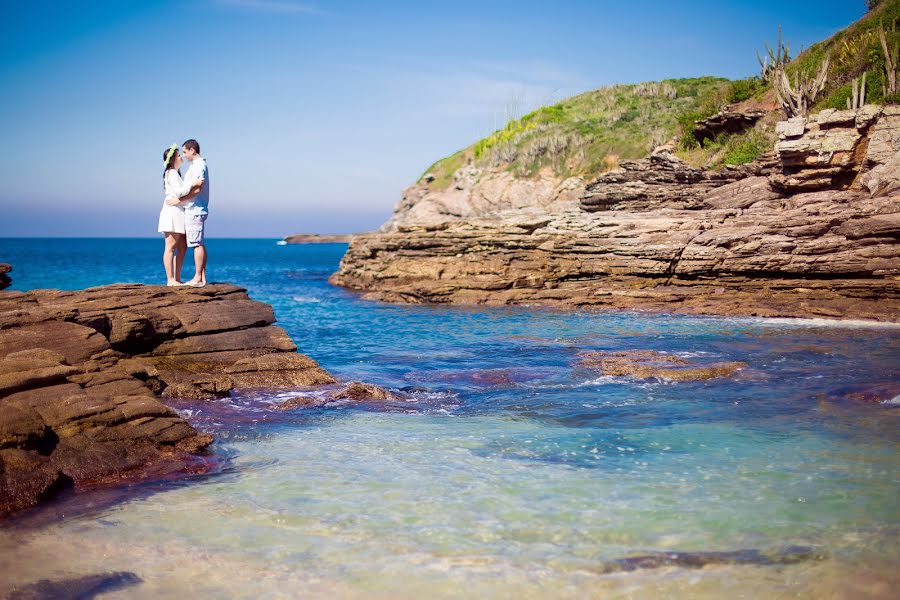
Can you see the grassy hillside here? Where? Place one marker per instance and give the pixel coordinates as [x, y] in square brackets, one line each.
[589, 133]
[854, 50]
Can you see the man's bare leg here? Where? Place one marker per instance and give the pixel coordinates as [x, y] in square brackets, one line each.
[200, 264]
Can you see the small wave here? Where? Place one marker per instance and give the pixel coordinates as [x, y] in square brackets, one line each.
[306, 299]
[895, 401]
[824, 322]
[281, 243]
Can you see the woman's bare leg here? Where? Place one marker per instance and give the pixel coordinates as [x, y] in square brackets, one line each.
[181, 252]
[169, 259]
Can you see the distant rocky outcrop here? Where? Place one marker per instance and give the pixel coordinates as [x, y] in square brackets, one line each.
[5, 281]
[81, 374]
[318, 238]
[657, 234]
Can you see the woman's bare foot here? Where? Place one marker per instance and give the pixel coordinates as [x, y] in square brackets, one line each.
[174, 283]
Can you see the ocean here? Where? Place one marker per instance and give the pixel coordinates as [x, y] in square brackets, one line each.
[512, 470]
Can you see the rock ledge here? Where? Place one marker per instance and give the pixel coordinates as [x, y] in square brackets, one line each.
[81, 373]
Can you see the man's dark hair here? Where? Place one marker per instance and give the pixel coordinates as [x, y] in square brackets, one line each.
[192, 145]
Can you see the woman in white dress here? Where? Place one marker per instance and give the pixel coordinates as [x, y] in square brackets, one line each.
[171, 218]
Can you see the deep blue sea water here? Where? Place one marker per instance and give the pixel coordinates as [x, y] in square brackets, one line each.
[511, 470]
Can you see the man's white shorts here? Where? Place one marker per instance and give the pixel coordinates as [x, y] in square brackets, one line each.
[194, 229]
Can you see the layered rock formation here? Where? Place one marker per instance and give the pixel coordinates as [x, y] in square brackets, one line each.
[659, 235]
[831, 149]
[479, 192]
[81, 373]
[661, 181]
[5, 281]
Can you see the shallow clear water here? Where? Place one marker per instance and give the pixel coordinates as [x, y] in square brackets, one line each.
[511, 470]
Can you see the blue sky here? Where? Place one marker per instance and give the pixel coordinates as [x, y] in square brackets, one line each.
[315, 115]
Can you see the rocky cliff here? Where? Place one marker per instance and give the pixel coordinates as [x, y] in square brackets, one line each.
[82, 374]
[5, 281]
[658, 234]
[478, 192]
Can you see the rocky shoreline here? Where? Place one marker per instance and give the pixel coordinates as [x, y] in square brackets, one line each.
[5, 280]
[811, 231]
[83, 374]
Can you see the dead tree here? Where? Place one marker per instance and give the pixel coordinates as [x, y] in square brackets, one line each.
[796, 99]
[859, 94]
[891, 60]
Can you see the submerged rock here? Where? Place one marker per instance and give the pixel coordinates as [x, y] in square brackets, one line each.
[76, 588]
[81, 373]
[698, 560]
[647, 364]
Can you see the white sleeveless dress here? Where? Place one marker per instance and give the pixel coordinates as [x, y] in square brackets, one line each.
[171, 218]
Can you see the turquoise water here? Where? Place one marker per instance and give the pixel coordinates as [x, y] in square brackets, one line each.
[509, 471]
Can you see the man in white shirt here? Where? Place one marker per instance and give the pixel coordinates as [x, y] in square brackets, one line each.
[196, 209]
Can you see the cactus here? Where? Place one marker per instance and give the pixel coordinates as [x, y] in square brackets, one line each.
[775, 59]
[797, 98]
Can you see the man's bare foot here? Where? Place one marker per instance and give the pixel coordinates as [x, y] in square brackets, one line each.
[174, 283]
[198, 284]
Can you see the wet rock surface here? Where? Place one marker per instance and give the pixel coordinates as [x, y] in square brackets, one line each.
[649, 364]
[354, 391]
[81, 373]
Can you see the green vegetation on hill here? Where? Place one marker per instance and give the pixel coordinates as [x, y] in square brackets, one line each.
[854, 50]
[588, 133]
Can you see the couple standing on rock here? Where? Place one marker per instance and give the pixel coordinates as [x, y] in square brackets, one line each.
[182, 219]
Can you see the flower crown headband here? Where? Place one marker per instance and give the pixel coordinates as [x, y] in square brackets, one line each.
[169, 154]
